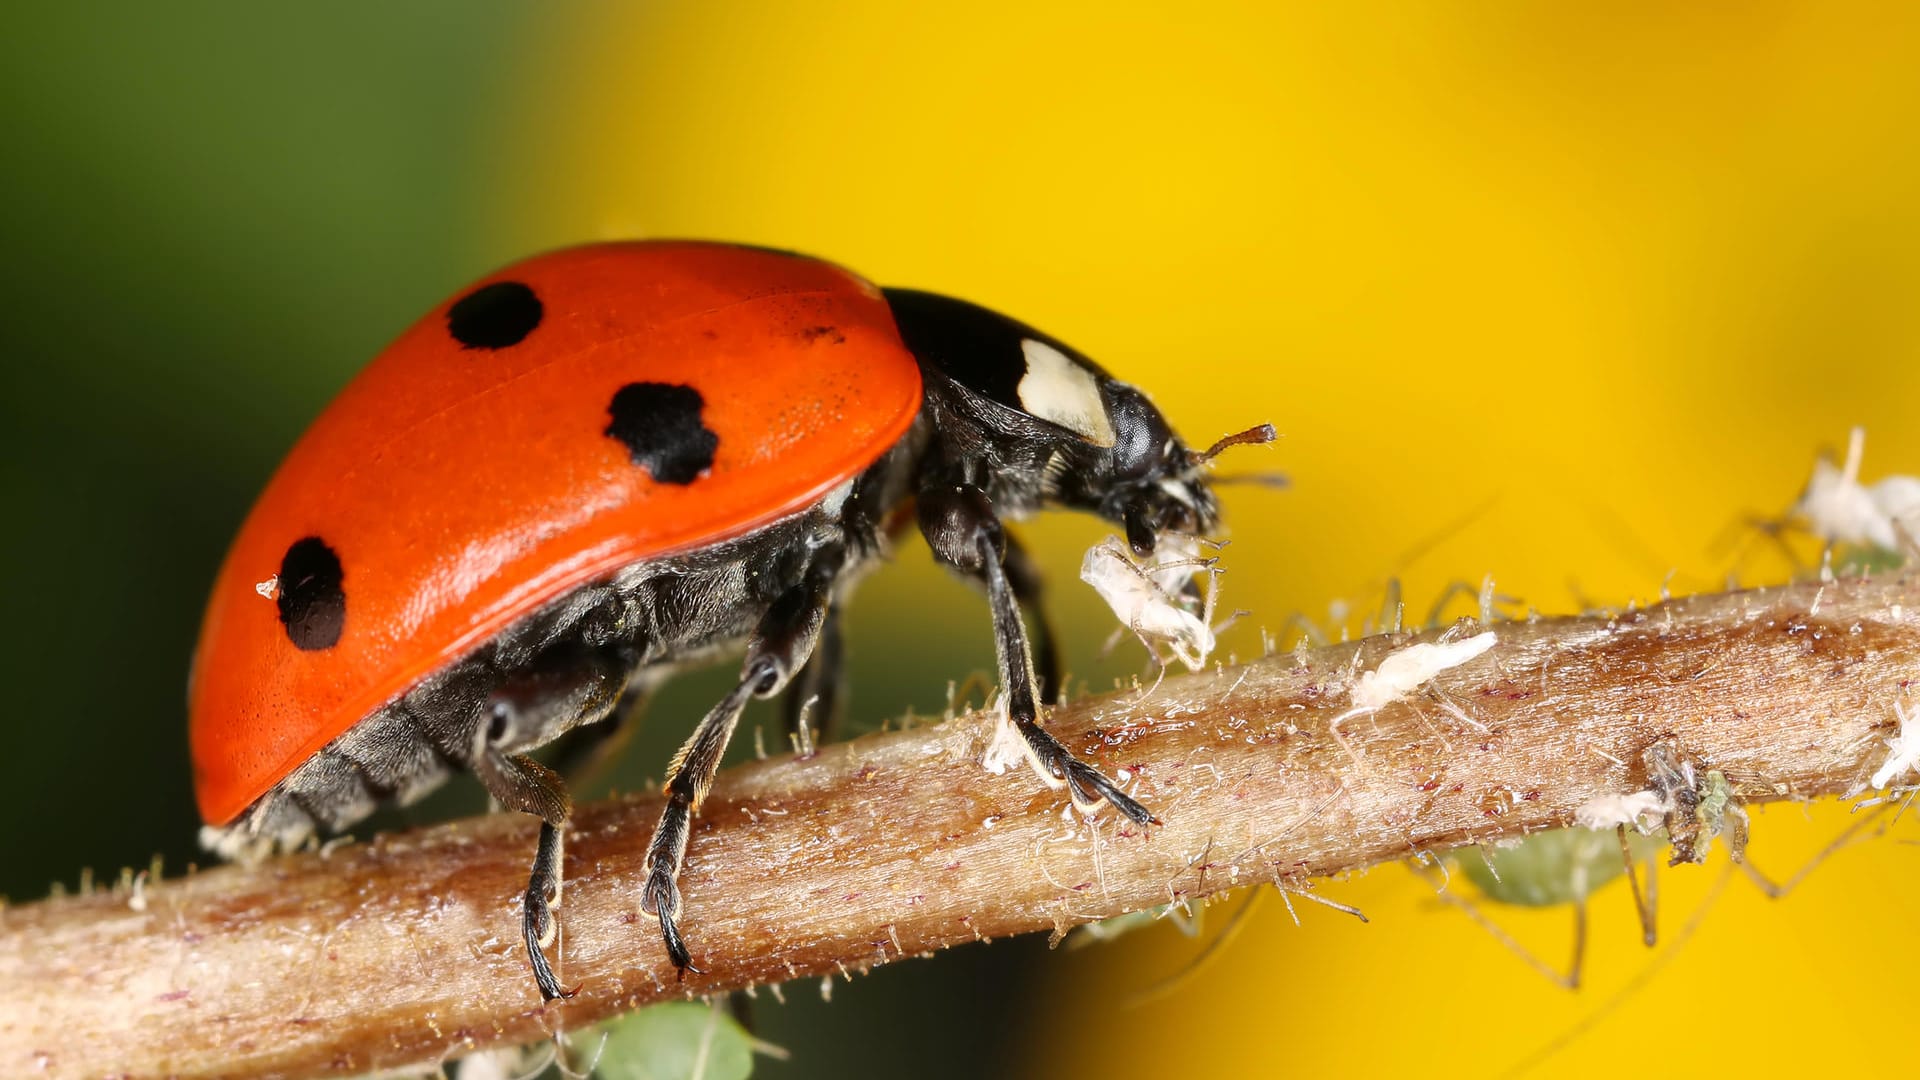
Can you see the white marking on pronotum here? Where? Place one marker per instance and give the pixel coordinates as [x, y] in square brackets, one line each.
[1840, 509]
[269, 588]
[1903, 750]
[1403, 672]
[1058, 390]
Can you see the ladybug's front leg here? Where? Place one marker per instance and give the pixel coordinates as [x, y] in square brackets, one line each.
[781, 645]
[964, 532]
[1025, 578]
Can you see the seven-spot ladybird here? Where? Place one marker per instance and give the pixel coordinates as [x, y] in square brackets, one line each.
[601, 463]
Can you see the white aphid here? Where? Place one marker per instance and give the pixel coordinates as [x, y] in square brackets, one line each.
[1840, 509]
[1903, 750]
[1147, 599]
[1403, 672]
[1611, 811]
[1412, 667]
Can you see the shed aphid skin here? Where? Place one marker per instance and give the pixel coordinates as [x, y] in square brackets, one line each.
[1903, 750]
[1840, 510]
[1619, 835]
[1156, 600]
[600, 465]
[1403, 673]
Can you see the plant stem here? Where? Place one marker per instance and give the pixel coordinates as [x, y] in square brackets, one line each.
[407, 950]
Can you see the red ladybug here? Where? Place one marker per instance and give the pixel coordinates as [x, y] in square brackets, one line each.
[604, 462]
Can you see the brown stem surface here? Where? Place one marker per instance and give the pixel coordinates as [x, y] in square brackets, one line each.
[407, 949]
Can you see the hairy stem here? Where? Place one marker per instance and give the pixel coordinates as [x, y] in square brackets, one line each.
[405, 950]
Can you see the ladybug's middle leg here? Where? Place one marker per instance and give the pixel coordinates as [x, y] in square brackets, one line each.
[780, 646]
[965, 533]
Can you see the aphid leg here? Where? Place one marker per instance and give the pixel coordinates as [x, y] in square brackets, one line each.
[781, 645]
[1852, 834]
[963, 531]
[1333, 729]
[1569, 980]
[813, 703]
[1643, 902]
[1028, 584]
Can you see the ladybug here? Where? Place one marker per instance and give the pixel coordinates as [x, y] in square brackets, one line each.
[603, 463]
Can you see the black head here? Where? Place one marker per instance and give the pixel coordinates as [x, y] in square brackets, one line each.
[1043, 421]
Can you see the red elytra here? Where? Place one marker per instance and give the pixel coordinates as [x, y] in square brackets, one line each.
[463, 487]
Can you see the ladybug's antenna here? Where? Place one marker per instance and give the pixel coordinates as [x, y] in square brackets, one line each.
[1254, 436]
[1276, 481]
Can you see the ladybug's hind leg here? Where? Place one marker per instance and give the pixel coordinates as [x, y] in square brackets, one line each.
[816, 698]
[780, 647]
[965, 533]
[563, 689]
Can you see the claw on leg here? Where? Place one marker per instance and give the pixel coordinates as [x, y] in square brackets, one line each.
[538, 926]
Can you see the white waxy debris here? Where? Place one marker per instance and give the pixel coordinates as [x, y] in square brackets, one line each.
[1006, 748]
[1408, 669]
[1611, 811]
[1903, 750]
[268, 588]
[1147, 597]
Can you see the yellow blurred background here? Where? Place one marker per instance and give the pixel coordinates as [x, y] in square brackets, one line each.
[1555, 292]
[1607, 274]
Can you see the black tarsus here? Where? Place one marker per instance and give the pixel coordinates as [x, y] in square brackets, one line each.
[782, 645]
[965, 533]
[537, 920]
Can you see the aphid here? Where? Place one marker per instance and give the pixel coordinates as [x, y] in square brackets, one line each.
[1402, 673]
[1154, 599]
[1681, 807]
[601, 464]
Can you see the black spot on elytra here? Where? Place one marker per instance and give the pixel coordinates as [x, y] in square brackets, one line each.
[494, 316]
[829, 334]
[660, 425]
[313, 606]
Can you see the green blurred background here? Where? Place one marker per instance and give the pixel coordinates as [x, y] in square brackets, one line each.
[1569, 289]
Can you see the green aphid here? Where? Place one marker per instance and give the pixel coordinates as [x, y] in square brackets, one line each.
[1565, 866]
[1548, 869]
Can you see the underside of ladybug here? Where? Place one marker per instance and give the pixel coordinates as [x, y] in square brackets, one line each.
[1009, 422]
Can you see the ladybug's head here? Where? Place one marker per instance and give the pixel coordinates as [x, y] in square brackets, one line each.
[1153, 483]
[1037, 422]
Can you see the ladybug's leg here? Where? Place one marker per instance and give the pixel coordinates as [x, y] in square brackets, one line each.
[520, 783]
[562, 690]
[1025, 578]
[781, 645]
[587, 752]
[815, 695]
[961, 527]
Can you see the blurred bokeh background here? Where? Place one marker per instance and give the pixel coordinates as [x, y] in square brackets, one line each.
[1553, 292]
